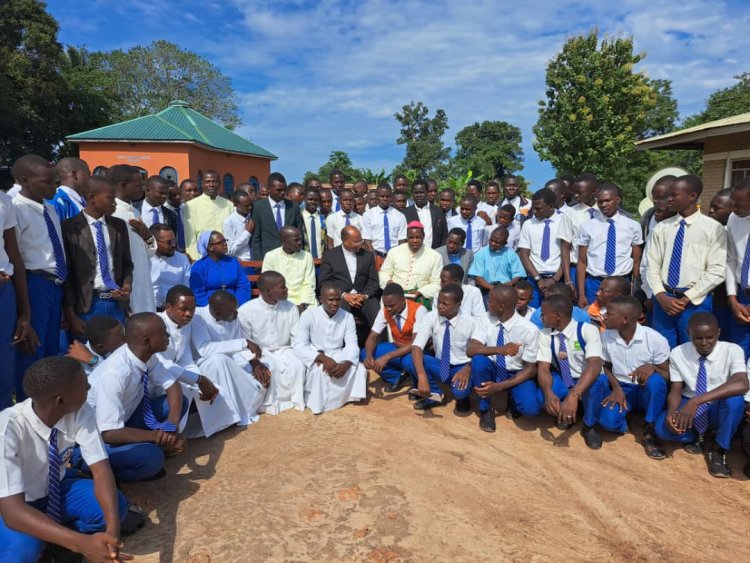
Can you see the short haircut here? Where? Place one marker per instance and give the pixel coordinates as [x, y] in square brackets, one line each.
[621, 284]
[398, 177]
[222, 296]
[122, 173]
[508, 178]
[703, 318]
[400, 193]
[501, 230]
[458, 231]
[419, 182]
[524, 285]
[455, 271]
[384, 186]
[70, 164]
[567, 178]
[211, 173]
[335, 172]
[48, 377]
[27, 164]
[447, 191]
[158, 228]
[310, 180]
[630, 304]
[269, 279]
[294, 186]
[138, 325]
[238, 194]
[393, 289]
[348, 191]
[327, 285]
[476, 184]
[98, 327]
[156, 181]
[611, 188]
[743, 185]
[176, 293]
[554, 182]
[724, 192]
[187, 181]
[546, 195]
[312, 191]
[587, 179]
[276, 177]
[559, 304]
[508, 208]
[454, 290]
[560, 289]
[493, 184]
[692, 182]
[97, 184]
[470, 199]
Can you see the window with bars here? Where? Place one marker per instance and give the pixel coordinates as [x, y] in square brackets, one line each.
[740, 170]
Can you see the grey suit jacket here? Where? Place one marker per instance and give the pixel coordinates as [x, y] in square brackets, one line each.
[467, 257]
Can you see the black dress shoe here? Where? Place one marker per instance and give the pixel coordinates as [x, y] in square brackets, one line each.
[393, 387]
[132, 522]
[717, 463]
[487, 420]
[414, 395]
[427, 403]
[563, 425]
[696, 447]
[463, 405]
[591, 437]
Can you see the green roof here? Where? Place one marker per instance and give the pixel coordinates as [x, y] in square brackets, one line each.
[178, 122]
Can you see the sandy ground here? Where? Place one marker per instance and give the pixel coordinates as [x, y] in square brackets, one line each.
[382, 482]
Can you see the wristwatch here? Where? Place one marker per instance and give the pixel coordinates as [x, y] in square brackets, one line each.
[537, 278]
[93, 361]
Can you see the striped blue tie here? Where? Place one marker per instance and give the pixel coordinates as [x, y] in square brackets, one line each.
[700, 421]
[609, 258]
[502, 370]
[675, 262]
[562, 361]
[745, 273]
[348, 222]
[313, 238]
[592, 212]
[154, 216]
[148, 412]
[54, 500]
[101, 250]
[386, 232]
[61, 268]
[546, 236]
[469, 235]
[445, 354]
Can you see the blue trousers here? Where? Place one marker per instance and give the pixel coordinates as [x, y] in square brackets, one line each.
[46, 312]
[524, 395]
[591, 399]
[140, 460]
[432, 367]
[739, 333]
[104, 308]
[574, 274]
[592, 287]
[392, 370]
[536, 299]
[649, 398]
[724, 416]
[674, 329]
[8, 314]
[81, 512]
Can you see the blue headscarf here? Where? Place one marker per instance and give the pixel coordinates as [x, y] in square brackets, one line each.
[202, 243]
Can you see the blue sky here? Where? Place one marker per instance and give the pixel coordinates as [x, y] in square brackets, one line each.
[313, 77]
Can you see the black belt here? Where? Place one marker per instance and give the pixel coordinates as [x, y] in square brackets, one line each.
[44, 274]
[678, 292]
[381, 254]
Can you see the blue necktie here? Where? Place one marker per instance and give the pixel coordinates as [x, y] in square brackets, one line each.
[386, 232]
[609, 258]
[338, 205]
[101, 251]
[502, 371]
[348, 223]
[154, 216]
[148, 413]
[313, 238]
[278, 216]
[398, 322]
[445, 354]
[546, 236]
[675, 262]
[562, 361]
[54, 499]
[592, 212]
[469, 235]
[180, 230]
[745, 273]
[61, 268]
[700, 420]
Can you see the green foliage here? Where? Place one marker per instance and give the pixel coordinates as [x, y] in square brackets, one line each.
[371, 176]
[725, 102]
[596, 107]
[423, 137]
[491, 149]
[338, 160]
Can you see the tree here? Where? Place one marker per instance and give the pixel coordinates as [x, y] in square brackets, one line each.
[143, 80]
[597, 106]
[491, 149]
[423, 137]
[338, 160]
[725, 102]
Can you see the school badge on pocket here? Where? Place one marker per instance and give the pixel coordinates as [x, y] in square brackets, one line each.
[577, 346]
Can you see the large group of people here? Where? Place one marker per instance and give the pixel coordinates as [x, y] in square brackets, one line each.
[138, 315]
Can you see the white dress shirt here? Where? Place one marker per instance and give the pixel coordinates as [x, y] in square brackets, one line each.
[167, 272]
[320, 233]
[646, 347]
[725, 360]
[515, 330]
[521, 210]
[24, 466]
[142, 292]
[473, 302]
[478, 232]
[514, 233]
[238, 239]
[7, 221]
[373, 230]
[704, 255]
[576, 356]
[32, 235]
[268, 326]
[147, 213]
[381, 324]
[282, 209]
[117, 388]
[463, 329]
[593, 235]
[351, 264]
[336, 221]
[532, 236]
[98, 280]
[570, 225]
[644, 258]
[316, 332]
[425, 217]
[738, 232]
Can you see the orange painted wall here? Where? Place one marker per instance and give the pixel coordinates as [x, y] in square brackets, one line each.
[186, 159]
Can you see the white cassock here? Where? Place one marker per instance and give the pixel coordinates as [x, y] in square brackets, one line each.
[270, 327]
[142, 291]
[336, 337]
[240, 394]
[223, 331]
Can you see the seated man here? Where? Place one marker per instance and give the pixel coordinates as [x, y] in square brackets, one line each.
[525, 292]
[472, 304]
[296, 265]
[569, 368]
[503, 358]
[326, 342]
[400, 316]
[220, 321]
[609, 289]
[636, 361]
[138, 423]
[454, 252]
[496, 263]
[168, 266]
[413, 265]
[450, 333]
[268, 323]
[40, 501]
[566, 291]
[103, 336]
[212, 366]
[708, 380]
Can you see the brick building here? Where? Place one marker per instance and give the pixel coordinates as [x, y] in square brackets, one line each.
[726, 150]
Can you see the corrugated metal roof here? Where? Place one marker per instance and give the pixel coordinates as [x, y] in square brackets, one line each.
[693, 137]
[178, 122]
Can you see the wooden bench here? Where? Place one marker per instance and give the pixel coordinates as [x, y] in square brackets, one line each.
[258, 266]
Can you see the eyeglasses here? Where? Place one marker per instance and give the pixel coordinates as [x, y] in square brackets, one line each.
[168, 242]
[218, 242]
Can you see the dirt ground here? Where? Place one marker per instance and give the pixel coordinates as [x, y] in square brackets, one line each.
[382, 482]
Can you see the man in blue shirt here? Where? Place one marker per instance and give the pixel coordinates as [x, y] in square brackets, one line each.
[496, 264]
